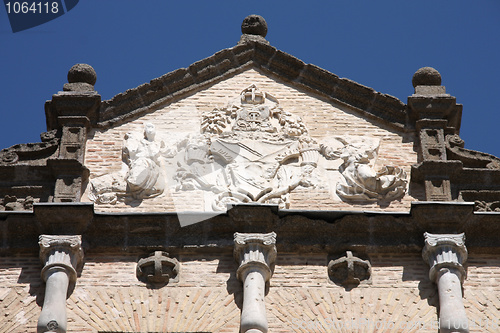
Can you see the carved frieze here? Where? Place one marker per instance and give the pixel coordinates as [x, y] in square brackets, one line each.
[251, 150]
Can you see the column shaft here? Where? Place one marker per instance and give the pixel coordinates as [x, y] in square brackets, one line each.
[53, 317]
[253, 315]
[256, 254]
[452, 316]
[445, 254]
[61, 255]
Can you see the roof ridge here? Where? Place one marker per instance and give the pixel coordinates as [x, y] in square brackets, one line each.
[227, 62]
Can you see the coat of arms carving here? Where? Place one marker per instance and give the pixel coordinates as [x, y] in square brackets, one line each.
[251, 150]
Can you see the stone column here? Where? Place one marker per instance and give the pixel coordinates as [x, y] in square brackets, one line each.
[256, 254]
[445, 255]
[61, 255]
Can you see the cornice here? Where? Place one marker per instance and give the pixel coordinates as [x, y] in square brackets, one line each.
[251, 54]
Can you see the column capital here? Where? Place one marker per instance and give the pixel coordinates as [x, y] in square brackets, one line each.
[252, 250]
[61, 252]
[446, 251]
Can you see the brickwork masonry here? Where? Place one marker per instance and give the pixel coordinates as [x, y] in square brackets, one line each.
[109, 298]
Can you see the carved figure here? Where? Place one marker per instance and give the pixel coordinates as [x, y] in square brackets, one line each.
[143, 158]
[361, 182]
[141, 176]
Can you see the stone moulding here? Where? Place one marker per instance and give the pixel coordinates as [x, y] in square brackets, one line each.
[251, 53]
[470, 158]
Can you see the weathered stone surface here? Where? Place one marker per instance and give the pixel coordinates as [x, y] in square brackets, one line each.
[349, 270]
[254, 25]
[446, 254]
[158, 269]
[426, 76]
[256, 255]
[82, 73]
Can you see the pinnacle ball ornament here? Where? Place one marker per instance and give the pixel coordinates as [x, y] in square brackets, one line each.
[426, 76]
[82, 73]
[254, 25]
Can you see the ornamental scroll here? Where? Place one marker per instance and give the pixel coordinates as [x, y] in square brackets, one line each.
[250, 151]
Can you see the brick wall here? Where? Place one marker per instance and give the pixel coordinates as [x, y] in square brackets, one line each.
[208, 296]
[323, 120]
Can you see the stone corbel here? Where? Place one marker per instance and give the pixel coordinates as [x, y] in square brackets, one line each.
[61, 256]
[445, 254]
[256, 254]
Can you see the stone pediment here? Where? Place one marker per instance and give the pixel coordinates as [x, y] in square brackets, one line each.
[248, 139]
[314, 140]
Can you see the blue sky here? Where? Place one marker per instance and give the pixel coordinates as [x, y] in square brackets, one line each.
[379, 44]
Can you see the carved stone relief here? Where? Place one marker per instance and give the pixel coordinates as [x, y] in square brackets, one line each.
[11, 203]
[251, 150]
[349, 270]
[158, 269]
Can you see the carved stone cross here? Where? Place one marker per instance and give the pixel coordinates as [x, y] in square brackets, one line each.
[158, 268]
[349, 270]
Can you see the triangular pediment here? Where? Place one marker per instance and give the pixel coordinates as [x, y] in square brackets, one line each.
[253, 138]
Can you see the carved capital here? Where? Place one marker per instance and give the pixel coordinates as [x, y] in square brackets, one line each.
[158, 268]
[58, 252]
[255, 251]
[445, 251]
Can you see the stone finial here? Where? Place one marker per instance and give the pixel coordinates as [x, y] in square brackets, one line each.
[81, 77]
[158, 268]
[426, 76]
[253, 29]
[254, 25]
[427, 82]
[445, 251]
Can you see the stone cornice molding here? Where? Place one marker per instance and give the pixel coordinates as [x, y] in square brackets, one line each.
[445, 251]
[61, 252]
[255, 250]
[252, 54]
